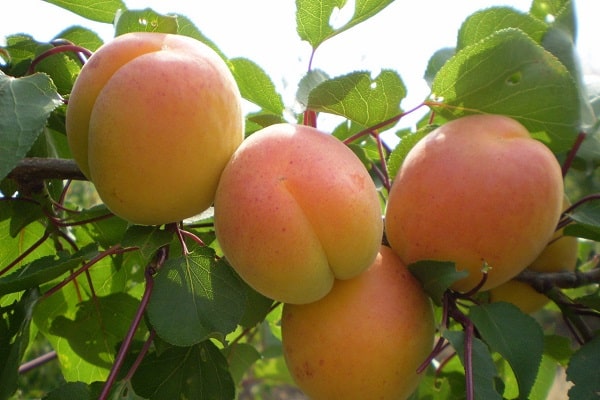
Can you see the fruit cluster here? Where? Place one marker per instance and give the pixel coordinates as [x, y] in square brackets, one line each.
[155, 121]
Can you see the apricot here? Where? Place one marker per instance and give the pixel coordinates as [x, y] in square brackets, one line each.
[559, 255]
[478, 191]
[294, 210]
[152, 120]
[365, 339]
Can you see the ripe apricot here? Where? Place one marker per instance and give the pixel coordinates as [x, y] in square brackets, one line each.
[478, 190]
[365, 339]
[559, 255]
[152, 120]
[295, 209]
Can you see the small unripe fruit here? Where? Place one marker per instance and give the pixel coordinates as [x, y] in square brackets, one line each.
[476, 191]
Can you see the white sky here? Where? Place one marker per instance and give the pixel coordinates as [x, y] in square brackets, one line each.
[402, 37]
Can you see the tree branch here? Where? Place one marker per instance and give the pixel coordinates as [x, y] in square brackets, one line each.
[36, 168]
[543, 282]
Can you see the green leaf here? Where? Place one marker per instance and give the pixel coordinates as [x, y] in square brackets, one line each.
[62, 69]
[23, 213]
[584, 231]
[25, 104]
[187, 28]
[41, 271]
[148, 238]
[558, 13]
[81, 36]
[558, 348]
[71, 391]
[437, 60]
[261, 119]
[515, 336]
[197, 372]
[314, 17]
[587, 218]
[508, 73]
[436, 277]
[195, 297]
[15, 322]
[545, 379]
[308, 82]
[359, 97]
[583, 371]
[86, 333]
[240, 356]
[256, 308]
[22, 49]
[13, 247]
[486, 22]
[255, 85]
[102, 227]
[407, 142]
[99, 325]
[146, 20]
[484, 370]
[100, 11]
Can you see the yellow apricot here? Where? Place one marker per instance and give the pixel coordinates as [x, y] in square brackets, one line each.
[152, 121]
[295, 208]
[365, 339]
[476, 191]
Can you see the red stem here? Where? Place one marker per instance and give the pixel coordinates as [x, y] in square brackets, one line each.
[149, 275]
[380, 125]
[194, 237]
[469, 333]
[22, 256]
[382, 157]
[37, 362]
[141, 356]
[57, 50]
[573, 152]
[116, 249]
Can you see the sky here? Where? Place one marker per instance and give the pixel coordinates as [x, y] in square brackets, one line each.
[402, 37]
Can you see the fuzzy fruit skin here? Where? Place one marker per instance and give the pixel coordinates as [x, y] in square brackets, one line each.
[295, 209]
[152, 121]
[477, 189]
[559, 255]
[365, 339]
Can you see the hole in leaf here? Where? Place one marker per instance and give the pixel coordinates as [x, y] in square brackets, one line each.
[373, 85]
[143, 21]
[341, 16]
[550, 18]
[514, 79]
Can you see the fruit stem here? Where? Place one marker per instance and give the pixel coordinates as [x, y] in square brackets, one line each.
[61, 48]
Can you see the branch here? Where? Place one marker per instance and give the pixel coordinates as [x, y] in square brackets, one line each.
[37, 168]
[543, 282]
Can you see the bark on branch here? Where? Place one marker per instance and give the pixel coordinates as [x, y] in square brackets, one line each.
[543, 282]
[35, 169]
